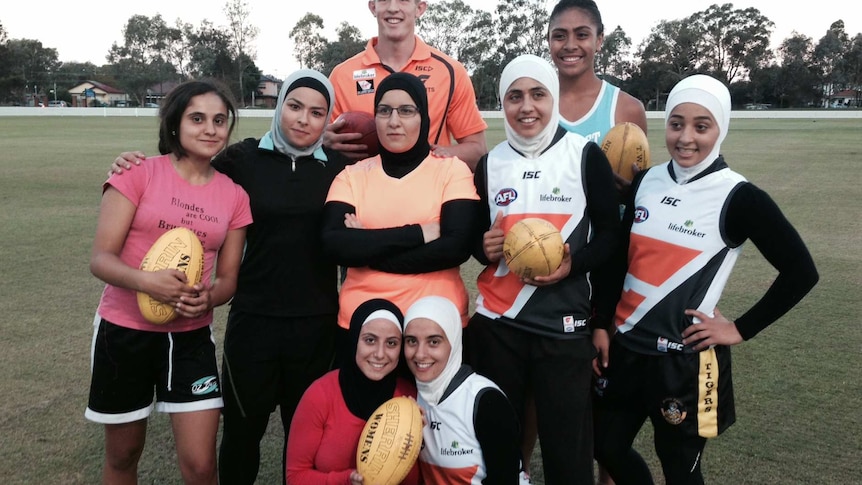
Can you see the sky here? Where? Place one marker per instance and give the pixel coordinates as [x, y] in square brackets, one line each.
[85, 34]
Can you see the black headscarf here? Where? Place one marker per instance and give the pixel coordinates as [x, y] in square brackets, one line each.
[361, 394]
[399, 164]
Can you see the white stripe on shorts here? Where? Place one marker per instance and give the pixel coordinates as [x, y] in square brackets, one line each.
[170, 382]
[185, 407]
[96, 321]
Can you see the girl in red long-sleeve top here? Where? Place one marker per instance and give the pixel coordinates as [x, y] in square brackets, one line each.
[325, 431]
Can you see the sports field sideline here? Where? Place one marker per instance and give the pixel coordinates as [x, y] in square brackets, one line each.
[797, 385]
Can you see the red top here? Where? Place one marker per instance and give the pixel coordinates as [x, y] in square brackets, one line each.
[324, 435]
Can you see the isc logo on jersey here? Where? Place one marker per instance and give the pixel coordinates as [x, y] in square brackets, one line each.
[641, 214]
[664, 345]
[505, 197]
[570, 324]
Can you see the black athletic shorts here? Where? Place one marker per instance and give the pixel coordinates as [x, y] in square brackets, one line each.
[691, 392]
[128, 365]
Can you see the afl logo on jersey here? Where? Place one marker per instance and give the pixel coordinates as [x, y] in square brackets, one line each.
[641, 214]
[505, 197]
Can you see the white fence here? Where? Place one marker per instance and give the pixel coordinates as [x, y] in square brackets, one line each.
[106, 112]
[267, 113]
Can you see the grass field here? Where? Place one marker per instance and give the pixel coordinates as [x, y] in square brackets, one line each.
[797, 384]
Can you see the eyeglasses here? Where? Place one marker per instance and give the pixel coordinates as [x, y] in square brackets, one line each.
[404, 111]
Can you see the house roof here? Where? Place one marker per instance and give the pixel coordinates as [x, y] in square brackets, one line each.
[162, 88]
[847, 93]
[97, 86]
[104, 87]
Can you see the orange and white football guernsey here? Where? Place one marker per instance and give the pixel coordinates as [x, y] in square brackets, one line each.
[678, 255]
[382, 202]
[451, 453]
[451, 99]
[551, 187]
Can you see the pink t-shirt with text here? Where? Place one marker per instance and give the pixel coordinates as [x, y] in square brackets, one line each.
[164, 200]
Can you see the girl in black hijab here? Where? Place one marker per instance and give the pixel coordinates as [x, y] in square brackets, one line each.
[401, 221]
[328, 422]
[398, 165]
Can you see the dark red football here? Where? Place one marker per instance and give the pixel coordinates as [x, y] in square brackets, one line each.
[363, 123]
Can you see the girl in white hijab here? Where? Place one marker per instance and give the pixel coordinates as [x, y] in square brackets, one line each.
[528, 66]
[712, 95]
[670, 358]
[477, 415]
[536, 337]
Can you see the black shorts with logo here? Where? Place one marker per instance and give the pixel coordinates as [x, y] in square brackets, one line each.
[691, 392]
[128, 365]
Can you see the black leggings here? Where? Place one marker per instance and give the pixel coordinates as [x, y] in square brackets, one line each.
[268, 362]
[239, 454]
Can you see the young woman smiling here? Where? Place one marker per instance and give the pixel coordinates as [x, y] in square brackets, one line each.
[535, 336]
[333, 411]
[131, 358]
[686, 222]
[287, 173]
[589, 105]
[460, 406]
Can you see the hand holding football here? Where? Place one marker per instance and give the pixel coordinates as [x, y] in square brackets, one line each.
[178, 249]
[364, 124]
[626, 144]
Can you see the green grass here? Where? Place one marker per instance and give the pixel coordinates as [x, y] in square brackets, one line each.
[797, 384]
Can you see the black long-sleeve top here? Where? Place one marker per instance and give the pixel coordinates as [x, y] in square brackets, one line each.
[283, 245]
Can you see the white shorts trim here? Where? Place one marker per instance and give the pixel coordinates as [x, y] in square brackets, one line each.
[122, 418]
[187, 407]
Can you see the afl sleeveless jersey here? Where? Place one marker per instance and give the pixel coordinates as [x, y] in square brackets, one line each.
[679, 258]
[451, 453]
[550, 187]
[600, 118]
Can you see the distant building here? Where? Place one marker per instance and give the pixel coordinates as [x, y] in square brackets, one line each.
[94, 93]
[848, 98]
[267, 92]
[157, 92]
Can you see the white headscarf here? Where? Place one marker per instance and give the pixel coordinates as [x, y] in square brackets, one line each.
[275, 139]
[713, 95]
[444, 313]
[532, 67]
[383, 315]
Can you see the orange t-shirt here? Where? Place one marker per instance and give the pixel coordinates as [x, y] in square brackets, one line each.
[383, 202]
[451, 99]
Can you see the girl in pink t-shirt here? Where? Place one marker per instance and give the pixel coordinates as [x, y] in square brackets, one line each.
[130, 356]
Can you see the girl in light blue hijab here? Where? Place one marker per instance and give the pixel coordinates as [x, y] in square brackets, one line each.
[284, 136]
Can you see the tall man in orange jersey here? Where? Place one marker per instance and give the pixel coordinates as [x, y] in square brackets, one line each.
[451, 99]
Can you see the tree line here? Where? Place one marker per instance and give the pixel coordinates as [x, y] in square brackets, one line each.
[151, 52]
[728, 43]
